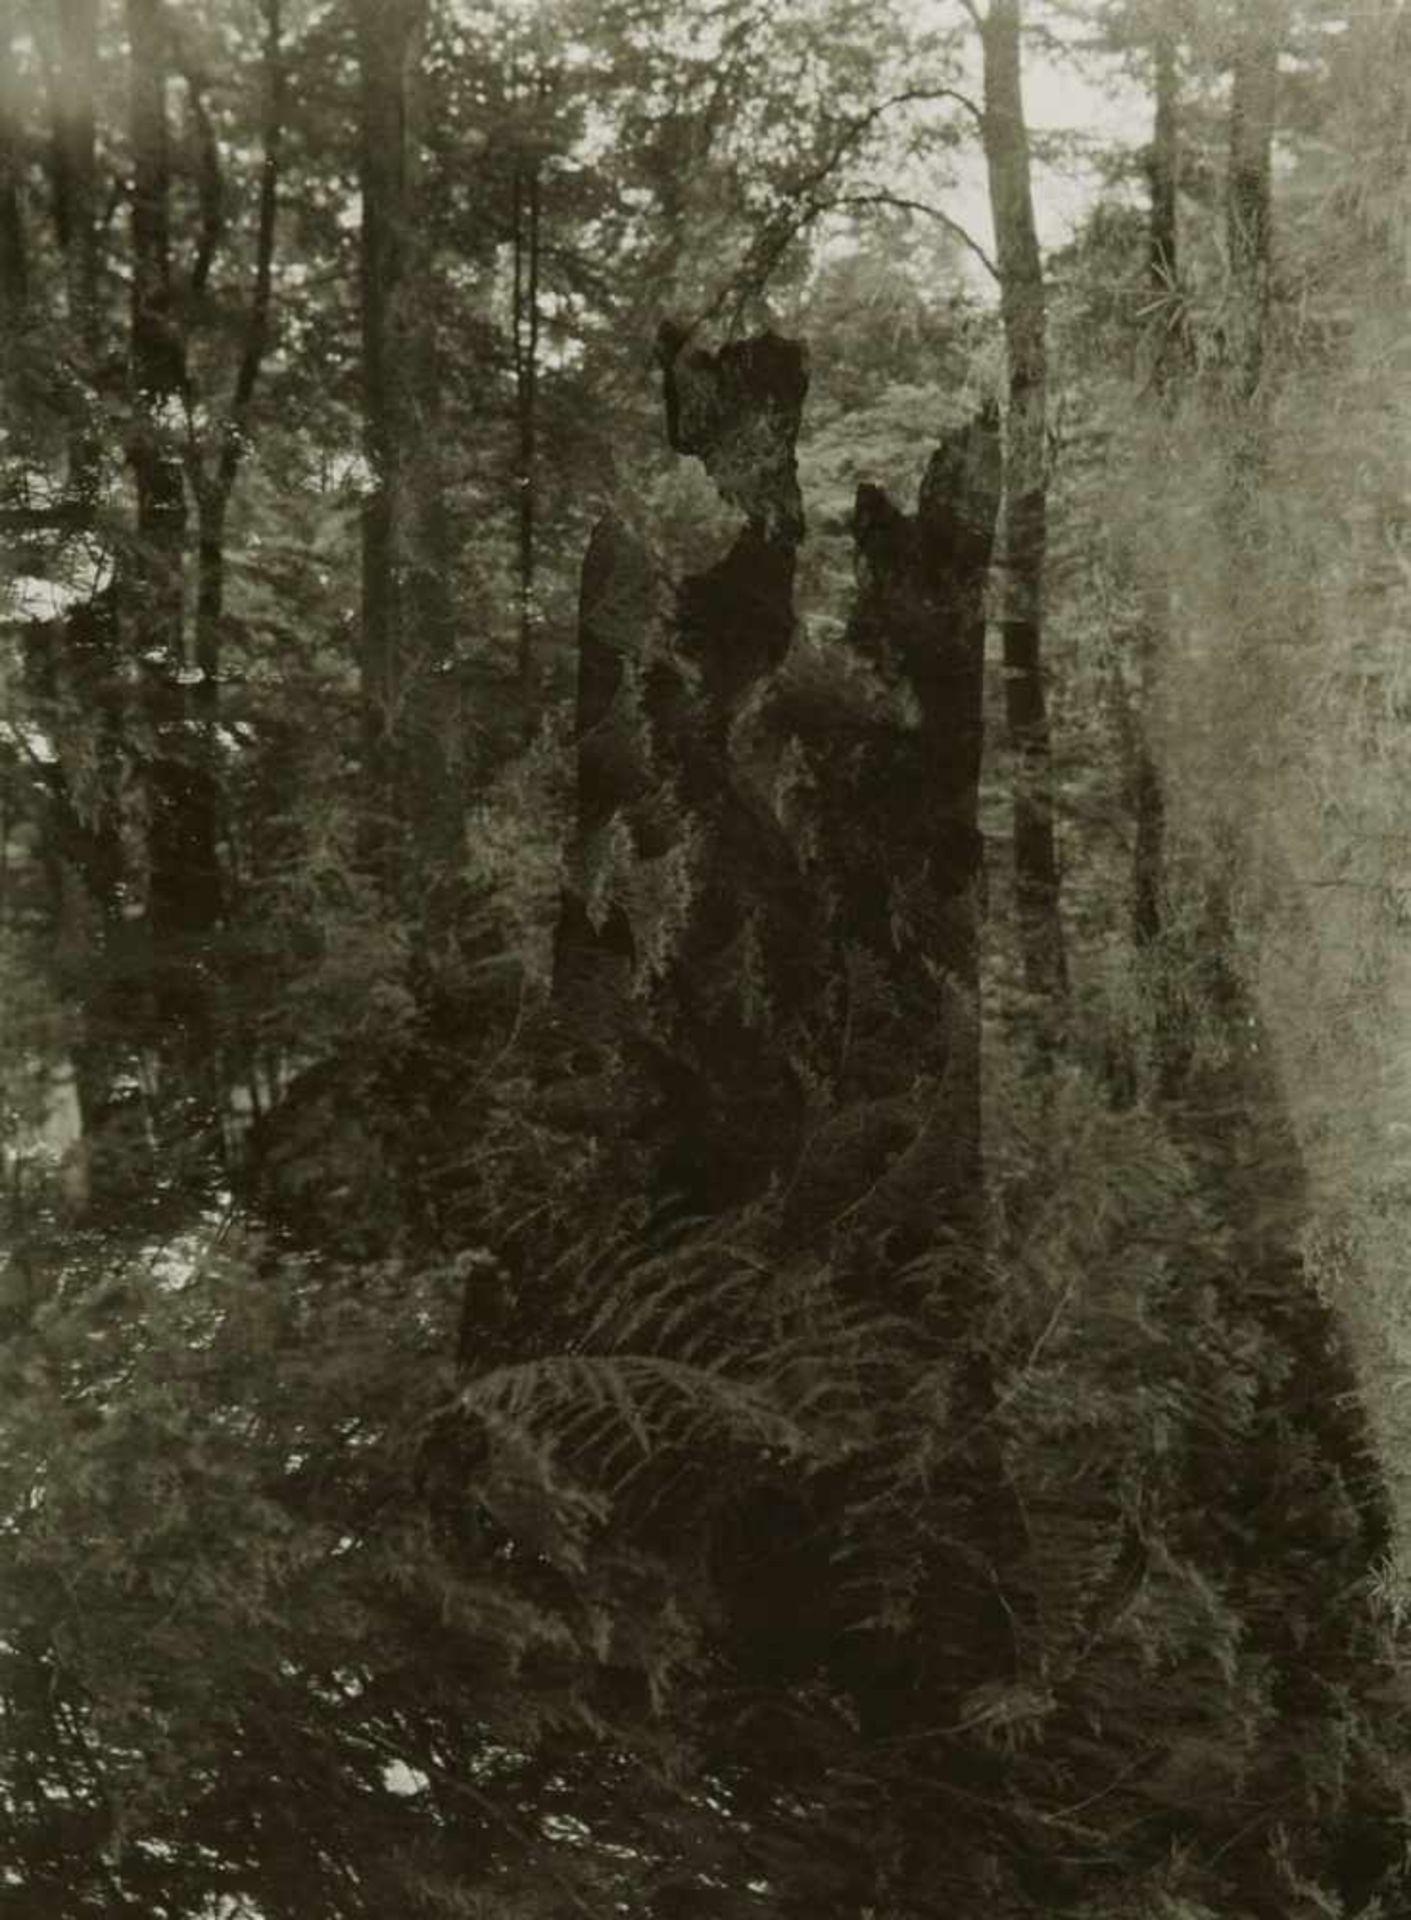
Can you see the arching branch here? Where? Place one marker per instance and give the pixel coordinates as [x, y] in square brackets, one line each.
[904, 204]
[807, 200]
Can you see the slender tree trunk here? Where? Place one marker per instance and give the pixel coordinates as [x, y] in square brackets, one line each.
[179, 901]
[77, 665]
[413, 812]
[526, 365]
[389, 35]
[1258, 34]
[72, 664]
[184, 886]
[1149, 857]
[1170, 351]
[184, 893]
[1248, 195]
[14, 273]
[75, 187]
[213, 497]
[1024, 537]
[157, 359]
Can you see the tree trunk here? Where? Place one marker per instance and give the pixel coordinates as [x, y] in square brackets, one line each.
[1257, 38]
[73, 676]
[594, 951]
[738, 973]
[213, 498]
[157, 360]
[14, 273]
[1168, 350]
[802, 1046]
[215, 481]
[388, 37]
[183, 882]
[1170, 356]
[413, 818]
[75, 182]
[905, 851]
[1248, 199]
[527, 211]
[183, 879]
[1024, 536]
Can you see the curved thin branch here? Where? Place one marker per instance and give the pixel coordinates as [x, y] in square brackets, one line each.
[964, 100]
[912, 94]
[807, 204]
[903, 204]
[858, 128]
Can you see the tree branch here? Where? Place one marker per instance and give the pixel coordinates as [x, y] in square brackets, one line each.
[906, 205]
[806, 204]
[912, 94]
[965, 100]
[864, 123]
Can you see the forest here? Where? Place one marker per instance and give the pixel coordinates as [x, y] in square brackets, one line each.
[705, 974]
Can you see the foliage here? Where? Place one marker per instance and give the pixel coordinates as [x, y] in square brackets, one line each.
[602, 1370]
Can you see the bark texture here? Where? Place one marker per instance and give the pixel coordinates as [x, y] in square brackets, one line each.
[1024, 537]
[735, 983]
[595, 948]
[817, 1031]
[904, 848]
[816, 844]
[527, 225]
[413, 813]
[74, 173]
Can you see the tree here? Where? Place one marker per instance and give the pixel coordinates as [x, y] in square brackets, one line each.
[1148, 858]
[13, 269]
[405, 620]
[660, 1407]
[1169, 332]
[1257, 36]
[73, 110]
[1026, 454]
